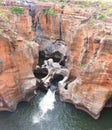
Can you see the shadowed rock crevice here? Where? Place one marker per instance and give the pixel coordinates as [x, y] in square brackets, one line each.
[53, 64]
[53, 61]
[40, 72]
[109, 102]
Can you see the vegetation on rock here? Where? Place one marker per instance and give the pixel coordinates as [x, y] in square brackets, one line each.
[29, 44]
[17, 10]
[101, 16]
[3, 16]
[91, 22]
[49, 12]
[1, 31]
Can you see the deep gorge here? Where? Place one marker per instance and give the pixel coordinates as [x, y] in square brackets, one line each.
[62, 52]
[85, 51]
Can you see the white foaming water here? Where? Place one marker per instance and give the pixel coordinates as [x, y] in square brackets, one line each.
[47, 103]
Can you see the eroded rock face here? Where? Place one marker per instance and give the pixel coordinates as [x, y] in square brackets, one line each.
[93, 64]
[53, 62]
[89, 98]
[18, 58]
[90, 54]
[54, 68]
[17, 82]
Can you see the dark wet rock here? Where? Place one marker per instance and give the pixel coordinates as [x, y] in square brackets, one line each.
[1, 65]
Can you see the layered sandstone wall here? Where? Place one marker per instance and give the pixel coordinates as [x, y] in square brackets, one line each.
[17, 82]
[18, 54]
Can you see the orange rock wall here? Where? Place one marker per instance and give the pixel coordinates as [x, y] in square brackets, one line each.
[17, 59]
[16, 77]
[23, 25]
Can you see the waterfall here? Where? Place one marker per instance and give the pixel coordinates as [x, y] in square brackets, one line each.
[46, 104]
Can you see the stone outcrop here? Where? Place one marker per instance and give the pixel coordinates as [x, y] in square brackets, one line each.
[53, 63]
[18, 58]
[89, 44]
[53, 69]
[17, 82]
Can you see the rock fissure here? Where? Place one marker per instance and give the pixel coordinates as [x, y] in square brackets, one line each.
[53, 64]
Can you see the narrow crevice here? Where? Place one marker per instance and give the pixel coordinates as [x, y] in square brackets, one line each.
[41, 58]
[60, 30]
[60, 24]
[46, 19]
[85, 51]
[53, 64]
[40, 72]
[109, 102]
[57, 78]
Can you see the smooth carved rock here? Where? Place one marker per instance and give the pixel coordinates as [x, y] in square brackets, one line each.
[53, 69]
[53, 60]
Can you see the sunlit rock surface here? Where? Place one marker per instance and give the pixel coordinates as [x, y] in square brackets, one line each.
[18, 58]
[17, 81]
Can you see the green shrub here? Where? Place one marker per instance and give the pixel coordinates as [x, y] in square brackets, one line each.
[91, 22]
[4, 17]
[80, 6]
[87, 3]
[49, 12]
[108, 11]
[17, 10]
[81, 65]
[63, 5]
[1, 31]
[101, 16]
[29, 44]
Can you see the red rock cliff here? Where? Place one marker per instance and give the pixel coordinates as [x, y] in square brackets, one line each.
[90, 46]
[17, 58]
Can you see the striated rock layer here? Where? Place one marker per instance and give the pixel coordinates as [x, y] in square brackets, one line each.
[90, 48]
[17, 82]
[17, 61]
